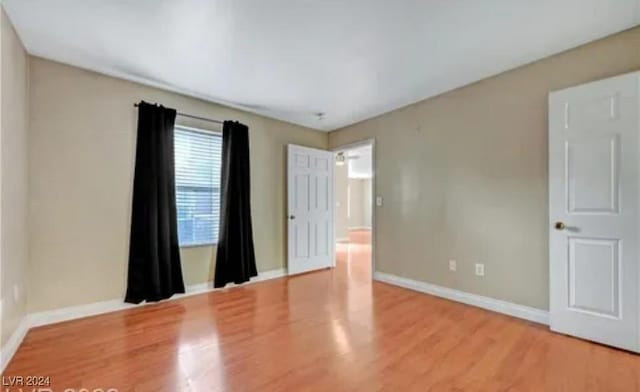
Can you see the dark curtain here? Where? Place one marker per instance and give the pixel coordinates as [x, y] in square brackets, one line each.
[154, 255]
[235, 260]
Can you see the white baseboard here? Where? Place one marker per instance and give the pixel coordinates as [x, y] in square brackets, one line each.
[75, 312]
[11, 346]
[360, 228]
[492, 304]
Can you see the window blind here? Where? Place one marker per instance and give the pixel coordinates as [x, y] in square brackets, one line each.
[198, 156]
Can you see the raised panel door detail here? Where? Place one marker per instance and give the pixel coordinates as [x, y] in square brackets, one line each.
[302, 239]
[322, 193]
[594, 275]
[302, 192]
[322, 164]
[302, 161]
[589, 112]
[591, 174]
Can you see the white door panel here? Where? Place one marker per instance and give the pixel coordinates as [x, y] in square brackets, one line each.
[310, 209]
[593, 191]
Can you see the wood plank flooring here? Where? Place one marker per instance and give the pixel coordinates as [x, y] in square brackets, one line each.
[332, 330]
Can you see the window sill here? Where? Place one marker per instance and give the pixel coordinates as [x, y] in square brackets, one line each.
[208, 245]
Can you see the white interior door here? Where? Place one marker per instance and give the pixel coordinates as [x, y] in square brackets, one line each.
[310, 209]
[593, 202]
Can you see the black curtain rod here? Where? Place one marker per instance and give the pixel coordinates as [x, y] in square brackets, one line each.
[194, 117]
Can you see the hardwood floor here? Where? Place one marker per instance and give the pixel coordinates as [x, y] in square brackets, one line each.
[332, 330]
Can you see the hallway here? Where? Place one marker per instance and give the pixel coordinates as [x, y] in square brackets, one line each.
[353, 258]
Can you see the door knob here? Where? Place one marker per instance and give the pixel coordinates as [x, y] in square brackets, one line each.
[292, 217]
[560, 226]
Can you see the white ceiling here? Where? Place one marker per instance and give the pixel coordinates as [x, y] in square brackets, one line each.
[290, 59]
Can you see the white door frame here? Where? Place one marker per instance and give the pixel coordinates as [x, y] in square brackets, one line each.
[363, 143]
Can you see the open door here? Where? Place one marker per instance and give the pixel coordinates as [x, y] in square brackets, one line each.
[594, 211]
[310, 209]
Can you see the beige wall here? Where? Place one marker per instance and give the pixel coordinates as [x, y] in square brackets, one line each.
[367, 215]
[342, 202]
[359, 203]
[353, 203]
[464, 175]
[81, 166]
[13, 176]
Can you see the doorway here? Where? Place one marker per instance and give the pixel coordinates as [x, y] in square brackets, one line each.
[354, 210]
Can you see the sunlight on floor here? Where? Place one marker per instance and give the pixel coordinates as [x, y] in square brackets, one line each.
[355, 256]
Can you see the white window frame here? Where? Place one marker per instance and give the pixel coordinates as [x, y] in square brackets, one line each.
[210, 133]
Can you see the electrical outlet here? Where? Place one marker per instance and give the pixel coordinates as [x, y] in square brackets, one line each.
[379, 201]
[479, 269]
[16, 293]
[453, 265]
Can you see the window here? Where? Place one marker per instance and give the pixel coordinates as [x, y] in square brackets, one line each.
[198, 157]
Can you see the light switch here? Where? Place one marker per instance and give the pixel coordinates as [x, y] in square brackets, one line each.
[379, 201]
